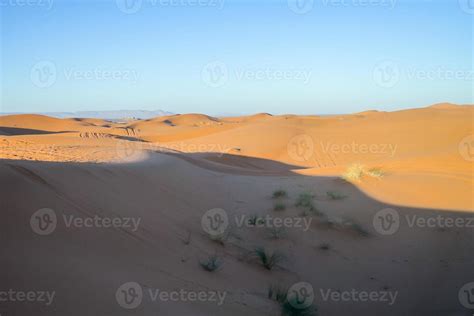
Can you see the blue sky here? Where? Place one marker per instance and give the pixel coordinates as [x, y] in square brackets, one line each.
[235, 57]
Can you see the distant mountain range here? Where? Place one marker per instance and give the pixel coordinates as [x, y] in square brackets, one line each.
[106, 115]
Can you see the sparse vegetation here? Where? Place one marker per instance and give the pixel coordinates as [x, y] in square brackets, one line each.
[355, 172]
[289, 309]
[335, 195]
[312, 211]
[279, 194]
[212, 263]
[376, 173]
[305, 200]
[277, 293]
[279, 207]
[268, 259]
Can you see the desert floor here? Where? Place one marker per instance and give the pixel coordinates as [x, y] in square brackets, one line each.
[166, 173]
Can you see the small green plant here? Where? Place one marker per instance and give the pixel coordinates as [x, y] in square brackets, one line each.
[305, 200]
[289, 309]
[268, 259]
[335, 195]
[255, 220]
[212, 263]
[277, 232]
[279, 207]
[312, 211]
[354, 172]
[277, 293]
[279, 194]
[376, 173]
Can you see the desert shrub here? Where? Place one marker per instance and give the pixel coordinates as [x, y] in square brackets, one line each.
[212, 263]
[289, 309]
[279, 207]
[277, 293]
[335, 195]
[376, 173]
[354, 172]
[279, 194]
[305, 200]
[268, 259]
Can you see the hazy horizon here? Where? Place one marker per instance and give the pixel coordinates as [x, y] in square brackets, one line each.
[236, 57]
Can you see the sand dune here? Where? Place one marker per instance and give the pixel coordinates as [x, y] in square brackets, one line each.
[169, 171]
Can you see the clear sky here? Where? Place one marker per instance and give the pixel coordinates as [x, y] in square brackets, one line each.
[235, 56]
